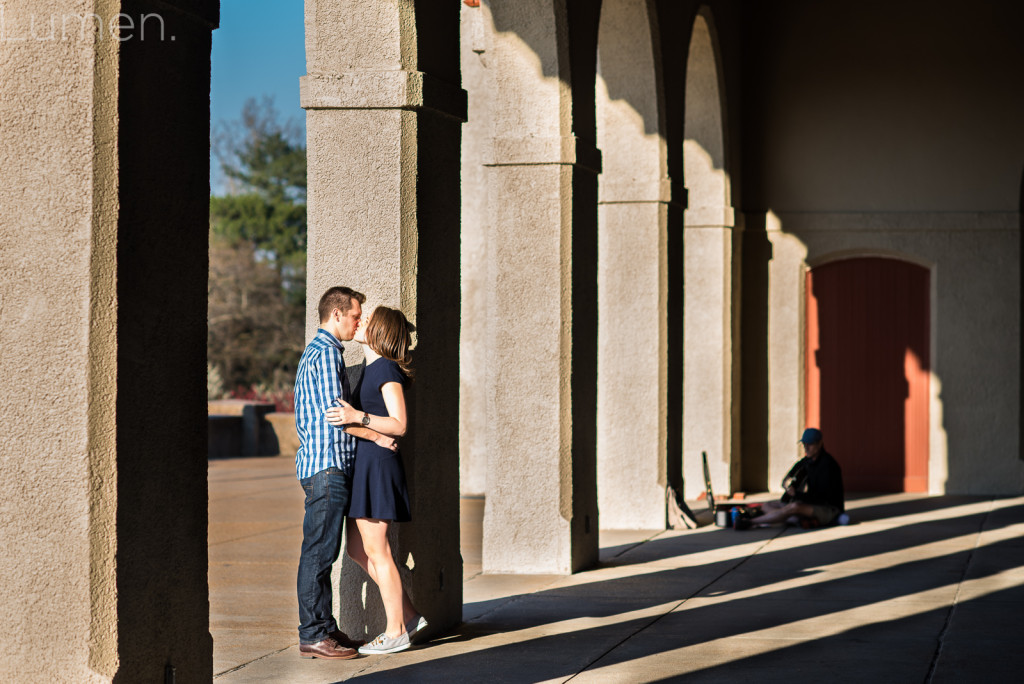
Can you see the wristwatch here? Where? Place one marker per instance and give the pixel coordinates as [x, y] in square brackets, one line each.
[366, 418]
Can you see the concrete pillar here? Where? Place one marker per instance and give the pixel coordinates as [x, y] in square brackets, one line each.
[634, 194]
[474, 341]
[786, 282]
[541, 510]
[711, 295]
[384, 111]
[103, 238]
[710, 399]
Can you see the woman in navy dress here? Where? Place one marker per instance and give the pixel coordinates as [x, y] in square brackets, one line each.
[379, 496]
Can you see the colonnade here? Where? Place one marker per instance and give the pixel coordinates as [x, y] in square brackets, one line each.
[553, 206]
[568, 213]
[579, 191]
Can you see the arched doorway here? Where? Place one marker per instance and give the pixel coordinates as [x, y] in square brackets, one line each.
[868, 366]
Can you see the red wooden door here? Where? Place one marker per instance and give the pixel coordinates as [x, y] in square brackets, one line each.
[868, 368]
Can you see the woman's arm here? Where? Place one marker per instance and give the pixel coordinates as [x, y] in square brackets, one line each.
[372, 436]
[394, 424]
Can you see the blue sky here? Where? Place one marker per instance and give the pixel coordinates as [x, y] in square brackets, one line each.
[258, 50]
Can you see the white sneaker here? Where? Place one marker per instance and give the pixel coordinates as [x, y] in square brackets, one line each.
[384, 644]
[416, 624]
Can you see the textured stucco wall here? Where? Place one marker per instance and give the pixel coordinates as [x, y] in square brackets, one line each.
[895, 131]
[47, 217]
[474, 341]
[870, 106]
[103, 251]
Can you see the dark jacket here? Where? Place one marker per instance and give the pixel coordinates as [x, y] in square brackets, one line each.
[820, 483]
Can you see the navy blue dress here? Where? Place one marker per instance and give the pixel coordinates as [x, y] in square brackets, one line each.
[378, 479]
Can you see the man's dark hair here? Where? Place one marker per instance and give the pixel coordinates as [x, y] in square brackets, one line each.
[338, 298]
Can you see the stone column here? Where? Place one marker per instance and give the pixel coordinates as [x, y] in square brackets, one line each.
[632, 392]
[475, 343]
[710, 327]
[103, 241]
[384, 111]
[541, 509]
[711, 278]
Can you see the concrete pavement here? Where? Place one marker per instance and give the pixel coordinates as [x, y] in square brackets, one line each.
[918, 589]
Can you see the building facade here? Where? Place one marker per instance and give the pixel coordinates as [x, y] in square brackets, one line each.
[628, 232]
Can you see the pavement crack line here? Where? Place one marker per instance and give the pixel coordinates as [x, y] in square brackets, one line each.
[630, 547]
[956, 598]
[254, 534]
[250, 494]
[236, 668]
[676, 607]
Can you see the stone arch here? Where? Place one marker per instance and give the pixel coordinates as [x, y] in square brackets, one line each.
[633, 194]
[704, 149]
[711, 242]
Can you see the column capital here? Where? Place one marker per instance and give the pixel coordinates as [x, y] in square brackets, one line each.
[661, 191]
[412, 90]
[546, 150]
[710, 217]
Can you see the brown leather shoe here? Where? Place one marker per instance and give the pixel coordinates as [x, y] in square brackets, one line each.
[327, 648]
[344, 640]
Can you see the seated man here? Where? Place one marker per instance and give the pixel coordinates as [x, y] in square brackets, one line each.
[814, 488]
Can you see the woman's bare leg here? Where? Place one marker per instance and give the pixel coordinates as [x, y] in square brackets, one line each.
[381, 566]
[357, 553]
[354, 547]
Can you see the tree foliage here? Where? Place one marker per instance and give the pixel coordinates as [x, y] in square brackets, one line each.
[255, 333]
[263, 154]
[258, 250]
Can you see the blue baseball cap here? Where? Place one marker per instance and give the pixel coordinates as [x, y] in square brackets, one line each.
[811, 436]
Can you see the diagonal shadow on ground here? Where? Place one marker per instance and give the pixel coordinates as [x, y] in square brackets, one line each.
[731, 604]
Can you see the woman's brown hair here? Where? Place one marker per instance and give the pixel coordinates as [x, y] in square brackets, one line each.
[388, 334]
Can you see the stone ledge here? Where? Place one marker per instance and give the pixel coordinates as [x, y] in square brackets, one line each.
[412, 90]
[662, 191]
[546, 150]
[252, 434]
[284, 428]
[890, 221]
[709, 217]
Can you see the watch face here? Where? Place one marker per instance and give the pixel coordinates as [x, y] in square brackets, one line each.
[366, 419]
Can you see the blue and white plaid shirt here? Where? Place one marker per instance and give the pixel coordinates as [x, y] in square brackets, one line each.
[320, 380]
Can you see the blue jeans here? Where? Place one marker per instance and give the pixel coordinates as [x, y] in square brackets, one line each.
[327, 495]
